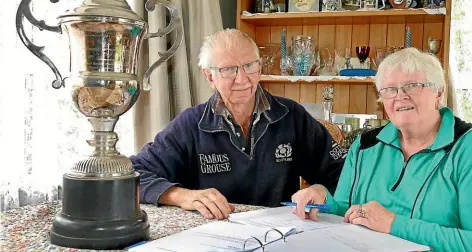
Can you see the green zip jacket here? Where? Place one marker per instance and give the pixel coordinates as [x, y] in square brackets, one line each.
[431, 193]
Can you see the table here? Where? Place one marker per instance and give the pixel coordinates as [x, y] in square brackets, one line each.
[27, 228]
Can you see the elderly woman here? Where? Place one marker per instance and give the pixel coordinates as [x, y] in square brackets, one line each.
[413, 177]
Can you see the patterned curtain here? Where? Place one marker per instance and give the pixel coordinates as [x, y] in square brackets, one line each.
[41, 134]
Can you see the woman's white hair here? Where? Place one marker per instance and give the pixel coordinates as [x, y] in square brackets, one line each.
[227, 39]
[411, 60]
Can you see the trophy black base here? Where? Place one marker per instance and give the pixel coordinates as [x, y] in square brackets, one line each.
[100, 214]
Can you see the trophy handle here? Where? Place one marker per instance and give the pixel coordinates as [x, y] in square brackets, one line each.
[24, 11]
[174, 23]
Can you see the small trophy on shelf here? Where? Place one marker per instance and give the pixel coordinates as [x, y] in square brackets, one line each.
[347, 57]
[434, 46]
[328, 103]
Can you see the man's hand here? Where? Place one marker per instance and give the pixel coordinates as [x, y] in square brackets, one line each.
[209, 202]
[312, 195]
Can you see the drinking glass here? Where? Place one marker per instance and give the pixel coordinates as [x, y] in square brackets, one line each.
[362, 53]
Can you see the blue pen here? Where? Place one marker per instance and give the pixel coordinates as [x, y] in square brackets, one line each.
[309, 206]
[135, 245]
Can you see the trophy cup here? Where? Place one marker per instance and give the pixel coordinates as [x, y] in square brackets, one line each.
[434, 46]
[328, 103]
[100, 203]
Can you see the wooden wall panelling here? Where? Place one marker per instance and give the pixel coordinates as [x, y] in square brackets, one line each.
[277, 89]
[360, 34]
[378, 39]
[292, 90]
[343, 34]
[434, 28]
[396, 31]
[357, 98]
[343, 38]
[265, 86]
[244, 26]
[262, 35]
[378, 34]
[308, 92]
[373, 107]
[293, 31]
[341, 98]
[358, 92]
[312, 31]
[326, 37]
[275, 35]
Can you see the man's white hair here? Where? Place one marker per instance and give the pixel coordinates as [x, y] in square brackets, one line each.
[227, 39]
[411, 60]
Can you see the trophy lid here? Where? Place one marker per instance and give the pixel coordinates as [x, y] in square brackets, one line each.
[102, 8]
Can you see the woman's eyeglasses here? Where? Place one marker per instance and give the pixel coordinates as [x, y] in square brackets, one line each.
[409, 89]
[232, 71]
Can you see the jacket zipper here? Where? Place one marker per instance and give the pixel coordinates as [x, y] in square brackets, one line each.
[402, 173]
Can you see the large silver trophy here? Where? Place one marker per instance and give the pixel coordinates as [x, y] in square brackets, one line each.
[100, 205]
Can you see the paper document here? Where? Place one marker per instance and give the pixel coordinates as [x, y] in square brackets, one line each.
[283, 217]
[214, 236]
[348, 238]
[331, 233]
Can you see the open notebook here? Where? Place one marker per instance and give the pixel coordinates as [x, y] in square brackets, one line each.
[277, 229]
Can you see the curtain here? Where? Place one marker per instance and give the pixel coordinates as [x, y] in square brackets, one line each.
[42, 135]
[178, 83]
[460, 60]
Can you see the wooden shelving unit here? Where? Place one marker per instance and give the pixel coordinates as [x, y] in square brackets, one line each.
[316, 17]
[316, 80]
[337, 31]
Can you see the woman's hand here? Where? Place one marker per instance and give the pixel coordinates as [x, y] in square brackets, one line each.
[312, 195]
[371, 215]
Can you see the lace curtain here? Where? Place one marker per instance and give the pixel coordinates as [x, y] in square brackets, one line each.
[461, 58]
[41, 134]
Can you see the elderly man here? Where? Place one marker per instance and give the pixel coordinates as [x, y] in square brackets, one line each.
[242, 146]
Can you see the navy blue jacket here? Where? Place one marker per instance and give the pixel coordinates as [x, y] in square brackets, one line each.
[198, 150]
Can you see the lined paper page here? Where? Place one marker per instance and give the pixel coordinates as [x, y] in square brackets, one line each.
[348, 238]
[283, 217]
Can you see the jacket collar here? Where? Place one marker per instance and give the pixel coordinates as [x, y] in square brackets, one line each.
[445, 136]
[266, 104]
[218, 106]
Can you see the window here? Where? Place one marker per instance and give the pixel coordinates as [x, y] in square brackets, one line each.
[461, 56]
[41, 134]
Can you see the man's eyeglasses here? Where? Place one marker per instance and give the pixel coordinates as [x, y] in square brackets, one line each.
[232, 71]
[409, 89]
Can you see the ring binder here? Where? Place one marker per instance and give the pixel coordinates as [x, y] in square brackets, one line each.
[261, 244]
